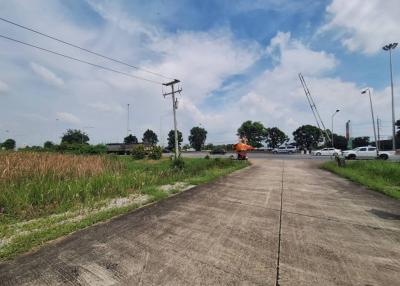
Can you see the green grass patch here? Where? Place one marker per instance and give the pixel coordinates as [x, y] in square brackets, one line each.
[381, 176]
[42, 204]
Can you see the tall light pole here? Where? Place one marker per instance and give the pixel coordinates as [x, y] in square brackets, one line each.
[333, 115]
[372, 115]
[389, 48]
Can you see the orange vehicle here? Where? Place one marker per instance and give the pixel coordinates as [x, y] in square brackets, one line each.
[242, 148]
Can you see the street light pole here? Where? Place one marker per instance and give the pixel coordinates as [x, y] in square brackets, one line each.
[389, 48]
[333, 115]
[372, 115]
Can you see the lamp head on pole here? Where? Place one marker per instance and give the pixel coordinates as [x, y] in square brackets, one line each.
[391, 46]
[364, 91]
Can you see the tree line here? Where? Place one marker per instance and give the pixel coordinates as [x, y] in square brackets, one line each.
[306, 137]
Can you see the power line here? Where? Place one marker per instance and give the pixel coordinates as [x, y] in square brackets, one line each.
[83, 49]
[79, 60]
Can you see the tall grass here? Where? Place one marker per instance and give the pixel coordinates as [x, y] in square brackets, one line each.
[381, 176]
[36, 184]
[16, 166]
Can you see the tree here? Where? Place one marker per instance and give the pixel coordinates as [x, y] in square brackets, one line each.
[209, 146]
[197, 137]
[9, 144]
[171, 139]
[74, 136]
[307, 136]
[398, 127]
[48, 145]
[130, 139]
[275, 137]
[149, 137]
[360, 141]
[339, 142]
[255, 132]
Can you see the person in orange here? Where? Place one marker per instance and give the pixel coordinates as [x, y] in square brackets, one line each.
[241, 148]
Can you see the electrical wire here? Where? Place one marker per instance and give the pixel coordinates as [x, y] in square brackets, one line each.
[83, 49]
[79, 60]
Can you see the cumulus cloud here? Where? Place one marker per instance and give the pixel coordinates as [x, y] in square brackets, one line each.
[364, 25]
[46, 74]
[68, 117]
[204, 60]
[276, 98]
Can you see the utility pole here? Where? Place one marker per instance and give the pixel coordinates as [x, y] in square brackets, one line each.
[348, 135]
[174, 107]
[378, 144]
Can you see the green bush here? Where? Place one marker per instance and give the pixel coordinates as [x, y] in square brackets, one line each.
[138, 152]
[155, 153]
[207, 157]
[178, 163]
[80, 149]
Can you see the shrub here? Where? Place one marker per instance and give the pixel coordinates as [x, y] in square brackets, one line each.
[138, 152]
[155, 153]
[80, 148]
[178, 163]
[207, 157]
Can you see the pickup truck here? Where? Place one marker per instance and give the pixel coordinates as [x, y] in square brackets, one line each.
[366, 152]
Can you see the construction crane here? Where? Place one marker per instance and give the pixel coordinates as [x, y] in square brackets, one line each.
[314, 109]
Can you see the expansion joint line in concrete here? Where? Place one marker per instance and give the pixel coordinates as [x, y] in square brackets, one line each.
[280, 228]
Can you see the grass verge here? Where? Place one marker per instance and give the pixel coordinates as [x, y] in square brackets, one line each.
[42, 201]
[380, 176]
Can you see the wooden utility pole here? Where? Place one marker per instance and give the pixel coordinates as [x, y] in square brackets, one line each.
[174, 108]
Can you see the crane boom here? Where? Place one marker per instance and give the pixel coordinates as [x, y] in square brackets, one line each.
[314, 109]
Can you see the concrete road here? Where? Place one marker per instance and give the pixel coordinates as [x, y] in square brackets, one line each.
[257, 155]
[265, 155]
[274, 223]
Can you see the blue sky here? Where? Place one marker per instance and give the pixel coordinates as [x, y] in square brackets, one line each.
[238, 60]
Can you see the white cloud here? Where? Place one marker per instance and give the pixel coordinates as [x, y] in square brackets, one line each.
[276, 97]
[68, 117]
[364, 25]
[294, 56]
[204, 60]
[4, 88]
[47, 75]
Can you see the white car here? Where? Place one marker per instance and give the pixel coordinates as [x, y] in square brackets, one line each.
[367, 152]
[285, 149]
[327, 152]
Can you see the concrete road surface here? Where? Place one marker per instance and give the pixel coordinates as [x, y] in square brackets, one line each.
[274, 223]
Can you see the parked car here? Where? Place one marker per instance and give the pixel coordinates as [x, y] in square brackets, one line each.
[326, 152]
[218, 151]
[285, 149]
[366, 152]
